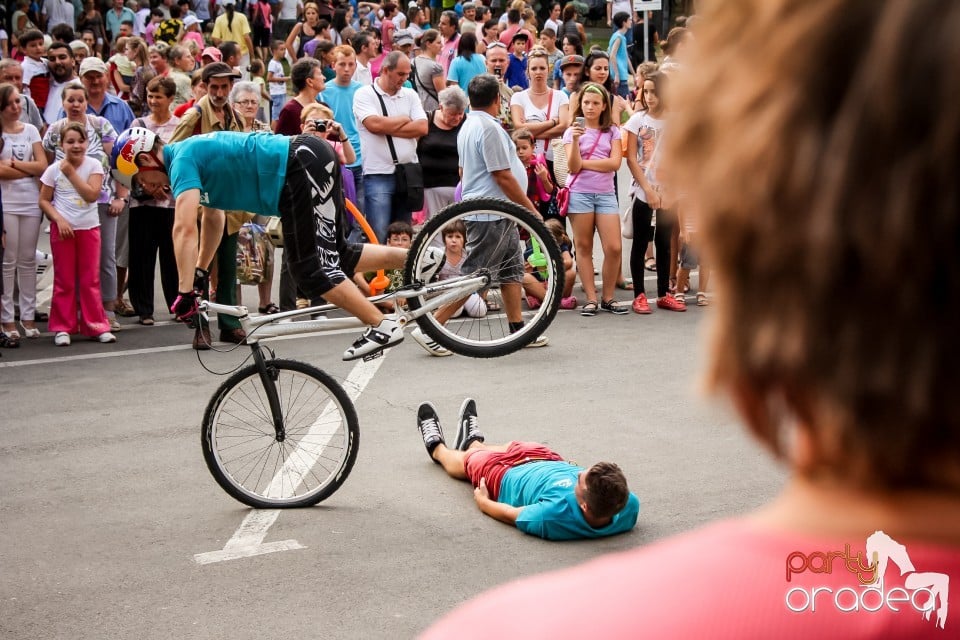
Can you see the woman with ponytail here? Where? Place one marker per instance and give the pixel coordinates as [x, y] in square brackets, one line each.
[233, 26]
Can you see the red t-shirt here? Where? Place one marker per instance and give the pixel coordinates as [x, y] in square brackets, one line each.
[728, 580]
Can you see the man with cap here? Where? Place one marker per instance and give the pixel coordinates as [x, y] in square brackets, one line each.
[571, 71]
[113, 215]
[212, 113]
[516, 75]
[403, 41]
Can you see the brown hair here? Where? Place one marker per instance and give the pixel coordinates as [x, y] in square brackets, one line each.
[164, 85]
[830, 207]
[606, 116]
[676, 36]
[659, 80]
[522, 134]
[72, 126]
[607, 491]
[6, 90]
[457, 226]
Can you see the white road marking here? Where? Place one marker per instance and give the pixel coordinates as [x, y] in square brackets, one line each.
[247, 541]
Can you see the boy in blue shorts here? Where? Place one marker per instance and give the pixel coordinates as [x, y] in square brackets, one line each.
[527, 485]
[297, 178]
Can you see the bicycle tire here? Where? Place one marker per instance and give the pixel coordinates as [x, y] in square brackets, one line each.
[489, 336]
[240, 444]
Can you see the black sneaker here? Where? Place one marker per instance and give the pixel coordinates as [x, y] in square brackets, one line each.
[468, 431]
[428, 422]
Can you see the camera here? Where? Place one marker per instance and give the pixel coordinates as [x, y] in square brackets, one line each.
[321, 125]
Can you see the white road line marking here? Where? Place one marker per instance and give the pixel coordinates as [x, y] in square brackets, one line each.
[247, 541]
[146, 350]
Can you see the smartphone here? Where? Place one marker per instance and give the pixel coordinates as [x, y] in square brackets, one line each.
[580, 122]
[498, 72]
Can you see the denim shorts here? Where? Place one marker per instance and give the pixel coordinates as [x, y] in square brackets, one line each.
[276, 104]
[593, 203]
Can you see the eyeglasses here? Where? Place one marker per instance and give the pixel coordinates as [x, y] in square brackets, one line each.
[247, 103]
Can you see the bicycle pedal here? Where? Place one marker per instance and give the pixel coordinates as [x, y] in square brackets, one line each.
[373, 356]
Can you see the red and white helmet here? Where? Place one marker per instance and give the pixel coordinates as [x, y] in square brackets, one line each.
[128, 146]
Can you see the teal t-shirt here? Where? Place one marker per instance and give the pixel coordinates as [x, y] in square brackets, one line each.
[623, 69]
[340, 100]
[545, 491]
[234, 171]
[462, 71]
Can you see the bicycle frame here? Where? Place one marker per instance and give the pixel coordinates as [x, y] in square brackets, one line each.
[269, 326]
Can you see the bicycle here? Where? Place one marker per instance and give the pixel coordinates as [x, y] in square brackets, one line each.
[281, 433]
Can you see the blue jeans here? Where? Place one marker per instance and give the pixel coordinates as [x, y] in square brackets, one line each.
[378, 204]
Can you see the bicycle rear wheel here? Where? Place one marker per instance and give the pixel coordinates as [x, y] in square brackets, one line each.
[310, 462]
[501, 235]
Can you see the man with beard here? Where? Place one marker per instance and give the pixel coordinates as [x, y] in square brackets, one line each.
[62, 68]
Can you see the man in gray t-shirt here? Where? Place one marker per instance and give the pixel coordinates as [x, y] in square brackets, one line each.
[490, 168]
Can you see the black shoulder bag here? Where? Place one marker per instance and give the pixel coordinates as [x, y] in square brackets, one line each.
[409, 192]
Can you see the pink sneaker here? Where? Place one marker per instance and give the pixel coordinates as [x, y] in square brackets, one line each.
[570, 302]
[533, 303]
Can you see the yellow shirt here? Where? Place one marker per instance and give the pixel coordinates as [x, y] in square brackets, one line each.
[241, 28]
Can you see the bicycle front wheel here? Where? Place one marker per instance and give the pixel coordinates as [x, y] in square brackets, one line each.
[307, 463]
[513, 247]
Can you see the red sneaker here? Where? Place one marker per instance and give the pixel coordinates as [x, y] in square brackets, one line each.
[671, 303]
[640, 304]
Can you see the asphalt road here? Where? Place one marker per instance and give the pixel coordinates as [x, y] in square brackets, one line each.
[106, 499]
[110, 523]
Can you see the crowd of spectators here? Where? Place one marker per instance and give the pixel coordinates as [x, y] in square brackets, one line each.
[392, 82]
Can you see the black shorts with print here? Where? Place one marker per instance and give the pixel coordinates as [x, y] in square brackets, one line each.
[314, 218]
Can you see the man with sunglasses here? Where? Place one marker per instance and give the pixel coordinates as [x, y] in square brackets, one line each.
[497, 61]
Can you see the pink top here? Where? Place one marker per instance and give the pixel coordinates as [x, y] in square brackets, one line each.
[728, 580]
[593, 181]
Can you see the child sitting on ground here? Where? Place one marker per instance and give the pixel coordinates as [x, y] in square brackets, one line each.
[533, 287]
[539, 185]
[454, 242]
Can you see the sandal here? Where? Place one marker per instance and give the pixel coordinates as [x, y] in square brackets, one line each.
[702, 299]
[625, 285]
[613, 307]
[493, 306]
[650, 264]
[124, 310]
[270, 309]
[589, 309]
[7, 341]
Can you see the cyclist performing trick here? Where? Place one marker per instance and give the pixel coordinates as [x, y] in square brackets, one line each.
[297, 178]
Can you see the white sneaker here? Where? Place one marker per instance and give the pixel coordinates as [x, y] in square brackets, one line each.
[433, 260]
[62, 339]
[106, 337]
[541, 341]
[44, 260]
[429, 344]
[374, 339]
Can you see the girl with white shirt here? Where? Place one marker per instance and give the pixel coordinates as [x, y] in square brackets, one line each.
[68, 196]
[21, 161]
